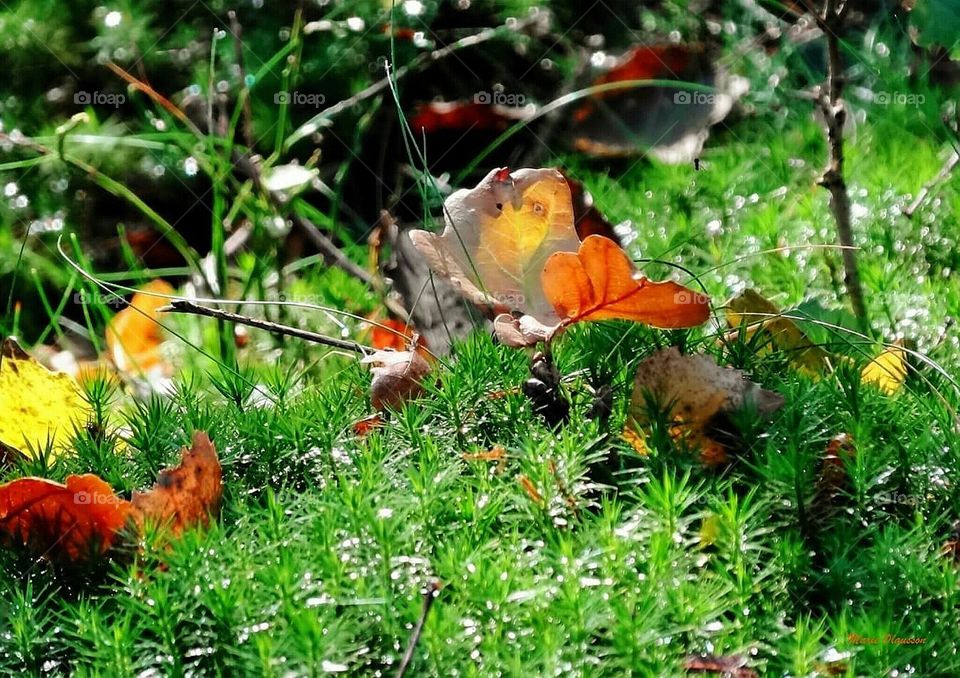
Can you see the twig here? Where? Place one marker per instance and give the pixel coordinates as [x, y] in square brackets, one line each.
[835, 114]
[184, 306]
[433, 588]
[945, 171]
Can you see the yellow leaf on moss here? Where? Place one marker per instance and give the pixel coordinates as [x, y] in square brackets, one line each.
[36, 405]
[759, 314]
[887, 371]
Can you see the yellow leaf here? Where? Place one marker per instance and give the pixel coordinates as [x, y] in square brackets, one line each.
[887, 371]
[709, 530]
[37, 404]
[761, 315]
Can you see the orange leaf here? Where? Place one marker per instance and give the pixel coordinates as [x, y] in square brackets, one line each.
[134, 335]
[75, 521]
[81, 519]
[187, 495]
[599, 282]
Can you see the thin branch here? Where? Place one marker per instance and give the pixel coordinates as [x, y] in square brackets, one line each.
[184, 306]
[835, 114]
[433, 588]
[945, 171]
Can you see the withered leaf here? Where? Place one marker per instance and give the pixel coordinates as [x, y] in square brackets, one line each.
[498, 236]
[695, 391]
[397, 377]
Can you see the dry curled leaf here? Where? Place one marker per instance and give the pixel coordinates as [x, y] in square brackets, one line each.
[35, 403]
[397, 377]
[187, 495]
[697, 395]
[134, 335]
[763, 319]
[599, 282]
[498, 236]
[82, 519]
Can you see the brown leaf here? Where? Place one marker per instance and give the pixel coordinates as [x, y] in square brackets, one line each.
[397, 377]
[599, 282]
[187, 495]
[498, 236]
[696, 392]
[72, 522]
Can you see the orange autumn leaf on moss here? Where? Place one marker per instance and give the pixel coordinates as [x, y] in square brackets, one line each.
[599, 282]
[74, 521]
[186, 495]
[82, 519]
[134, 335]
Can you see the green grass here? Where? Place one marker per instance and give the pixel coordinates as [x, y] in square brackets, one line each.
[327, 541]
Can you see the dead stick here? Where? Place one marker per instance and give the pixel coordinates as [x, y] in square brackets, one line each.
[433, 588]
[835, 115]
[945, 171]
[184, 306]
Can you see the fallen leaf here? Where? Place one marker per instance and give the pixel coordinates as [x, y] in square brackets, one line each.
[732, 666]
[668, 122]
[187, 495]
[81, 519]
[759, 315]
[599, 282]
[465, 116]
[397, 377]
[888, 371]
[37, 405]
[696, 393]
[498, 236]
[134, 335]
[75, 522]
